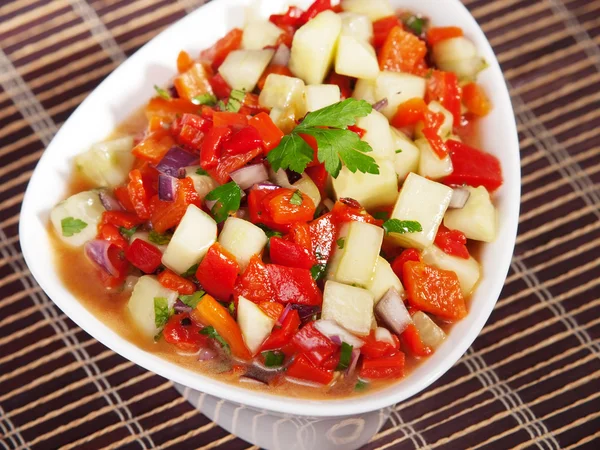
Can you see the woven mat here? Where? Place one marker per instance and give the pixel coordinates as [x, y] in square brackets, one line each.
[531, 378]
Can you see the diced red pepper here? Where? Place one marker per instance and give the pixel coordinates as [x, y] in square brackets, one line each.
[359, 131]
[343, 82]
[402, 51]
[303, 369]
[348, 210]
[255, 284]
[270, 134]
[193, 82]
[122, 194]
[323, 233]
[475, 99]
[280, 337]
[210, 151]
[138, 195]
[220, 87]
[242, 141]
[283, 210]
[439, 34]
[383, 368]
[410, 254]
[443, 87]
[333, 361]
[143, 255]
[433, 122]
[231, 163]
[110, 233]
[300, 234]
[258, 211]
[473, 167]
[121, 219]
[409, 113]
[318, 174]
[290, 18]
[377, 349]
[182, 332]
[217, 272]
[288, 253]
[216, 54]
[313, 344]
[434, 290]
[191, 130]
[229, 119]
[167, 215]
[294, 285]
[452, 242]
[411, 342]
[382, 28]
[117, 259]
[313, 10]
[171, 280]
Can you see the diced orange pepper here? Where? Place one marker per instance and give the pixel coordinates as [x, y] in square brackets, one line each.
[411, 341]
[271, 309]
[172, 281]
[193, 82]
[282, 211]
[475, 99]
[268, 131]
[138, 194]
[382, 28]
[121, 219]
[169, 109]
[273, 68]
[409, 113]
[438, 34]
[154, 146]
[110, 233]
[184, 61]
[228, 119]
[402, 52]
[167, 215]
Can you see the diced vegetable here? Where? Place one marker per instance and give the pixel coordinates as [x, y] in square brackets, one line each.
[196, 232]
[303, 369]
[460, 195]
[294, 285]
[407, 155]
[335, 332]
[383, 368]
[355, 57]
[357, 25]
[107, 163]
[424, 201]
[141, 304]
[430, 165]
[373, 9]
[193, 82]
[282, 92]
[76, 219]
[243, 68]
[477, 219]
[217, 272]
[313, 47]
[202, 183]
[392, 311]
[431, 334]
[377, 134]
[460, 56]
[398, 88]
[473, 167]
[318, 96]
[349, 306]
[254, 324]
[291, 254]
[143, 255]
[365, 90]
[476, 100]
[383, 279]
[445, 129]
[402, 51]
[242, 239]
[259, 34]
[384, 335]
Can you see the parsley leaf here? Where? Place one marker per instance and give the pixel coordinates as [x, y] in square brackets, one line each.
[399, 150]
[193, 299]
[204, 99]
[127, 232]
[345, 356]
[296, 198]
[158, 238]
[416, 24]
[161, 311]
[236, 100]
[71, 226]
[292, 153]
[201, 172]
[190, 272]
[228, 198]
[318, 271]
[381, 215]
[361, 385]
[231, 309]
[340, 243]
[338, 115]
[401, 226]
[212, 333]
[163, 93]
[273, 359]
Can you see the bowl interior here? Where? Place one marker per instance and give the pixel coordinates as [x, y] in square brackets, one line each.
[130, 86]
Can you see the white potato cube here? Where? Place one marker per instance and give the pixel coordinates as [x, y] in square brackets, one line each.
[406, 159]
[467, 270]
[368, 189]
[377, 134]
[313, 47]
[431, 334]
[242, 68]
[458, 55]
[283, 92]
[360, 253]
[254, 324]
[259, 34]
[196, 232]
[319, 96]
[76, 219]
[141, 304]
[383, 279]
[424, 201]
[356, 58]
[357, 25]
[397, 88]
[107, 164]
[364, 90]
[242, 239]
[430, 165]
[351, 307]
[477, 219]
[373, 9]
[202, 183]
[336, 256]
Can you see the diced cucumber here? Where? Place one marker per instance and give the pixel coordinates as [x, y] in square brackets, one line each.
[242, 239]
[467, 270]
[242, 68]
[305, 184]
[357, 25]
[430, 334]
[141, 303]
[377, 134]
[397, 88]
[107, 164]
[364, 90]
[313, 47]
[202, 183]
[407, 155]
[336, 256]
[283, 92]
[259, 34]
[351, 307]
[319, 96]
[360, 253]
[430, 165]
[373, 9]
[368, 189]
[356, 58]
[445, 129]
[477, 219]
[458, 55]
[196, 232]
[383, 279]
[76, 219]
[254, 324]
[424, 201]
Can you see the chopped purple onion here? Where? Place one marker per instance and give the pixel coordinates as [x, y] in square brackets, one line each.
[353, 362]
[109, 202]
[335, 339]
[97, 251]
[306, 311]
[175, 159]
[459, 198]
[207, 354]
[248, 176]
[167, 187]
[181, 307]
[337, 334]
[283, 314]
[378, 106]
[392, 311]
[266, 185]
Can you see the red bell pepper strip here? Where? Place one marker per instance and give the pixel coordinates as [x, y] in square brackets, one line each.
[143, 255]
[280, 337]
[410, 254]
[284, 210]
[452, 242]
[171, 280]
[473, 167]
[216, 54]
[439, 34]
[300, 234]
[231, 163]
[291, 254]
[229, 119]
[313, 344]
[242, 141]
[383, 368]
[271, 309]
[122, 194]
[191, 129]
[348, 210]
[210, 151]
[218, 271]
[254, 284]
[183, 333]
[270, 134]
[220, 87]
[293, 285]
[433, 122]
[382, 28]
[318, 174]
[258, 211]
[290, 18]
[411, 342]
[313, 10]
[167, 215]
[303, 369]
[443, 87]
[323, 233]
[138, 195]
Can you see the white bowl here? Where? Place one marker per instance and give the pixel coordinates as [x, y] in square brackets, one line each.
[131, 85]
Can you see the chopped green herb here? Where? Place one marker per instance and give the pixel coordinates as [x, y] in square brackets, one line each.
[204, 99]
[318, 271]
[158, 238]
[190, 272]
[127, 232]
[401, 226]
[212, 333]
[270, 233]
[381, 215]
[71, 226]
[416, 24]
[296, 198]
[345, 356]
[361, 385]
[228, 198]
[336, 144]
[193, 299]
[399, 151]
[163, 93]
[340, 243]
[231, 308]
[273, 359]
[236, 100]
[221, 105]
[201, 172]
[161, 311]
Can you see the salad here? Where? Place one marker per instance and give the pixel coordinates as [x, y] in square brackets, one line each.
[298, 207]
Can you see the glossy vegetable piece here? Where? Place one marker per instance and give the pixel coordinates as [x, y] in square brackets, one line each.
[313, 344]
[294, 285]
[286, 206]
[476, 100]
[383, 368]
[241, 141]
[216, 54]
[291, 254]
[193, 82]
[184, 334]
[258, 210]
[231, 163]
[467, 270]
[210, 149]
[438, 34]
[434, 291]
[107, 163]
[452, 242]
[281, 336]
[302, 368]
[374, 348]
[349, 306]
[138, 194]
[412, 342]
[477, 219]
[254, 324]
[86, 209]
[383, 279]
[402, 51]
[409, 113]
[267, 130]
[430, 333]
[255, 283]
[168, 109]
[242, 68]
[473, 167]
[167, 215]
[144, 256]
[409, 254]
[392, 312]
[242, 239]
[110, 233]
[443, 87]
[323, 232]
[357, 25]
[211, 312]
[397, 88]
[141, 304]
[217, 272]
[374, 9]
[259, 34]
[356, 57]
[171, 280]
[382, 28]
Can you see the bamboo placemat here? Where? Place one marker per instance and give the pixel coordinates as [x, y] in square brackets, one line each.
[531, 378]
